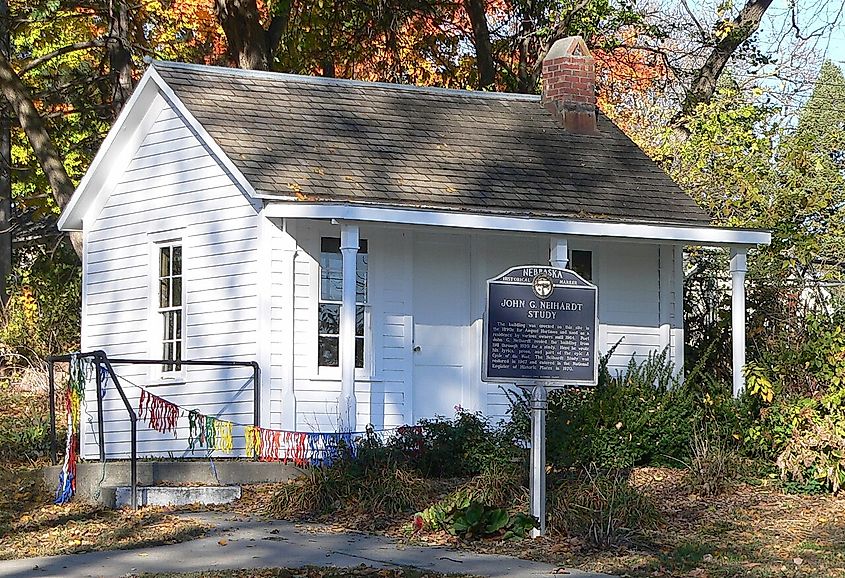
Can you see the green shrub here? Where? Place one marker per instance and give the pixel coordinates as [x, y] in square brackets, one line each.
[42, 316]
[446, 448]
[24, 425]
[814, 459]
[641, 416]
[601, 507]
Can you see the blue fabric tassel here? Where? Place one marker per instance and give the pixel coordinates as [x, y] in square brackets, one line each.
[65, 491]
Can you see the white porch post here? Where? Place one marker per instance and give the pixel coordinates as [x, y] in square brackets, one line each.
[738, 268]
[559, 252]
[347, 404]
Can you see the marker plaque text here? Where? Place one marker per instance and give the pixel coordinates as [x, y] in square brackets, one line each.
[540, 326]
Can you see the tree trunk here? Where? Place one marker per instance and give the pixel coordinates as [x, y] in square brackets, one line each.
[120, 58]
[743, 26]
[245, 36]
[18, 98]
[5, 166]
[476, 11]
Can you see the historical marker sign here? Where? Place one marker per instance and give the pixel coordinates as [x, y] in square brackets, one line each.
[540, 328]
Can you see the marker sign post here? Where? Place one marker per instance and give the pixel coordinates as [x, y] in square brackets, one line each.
[540, 332]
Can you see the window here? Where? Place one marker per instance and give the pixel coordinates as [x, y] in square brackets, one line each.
[170, 305]
[582, 263]
[331, 296]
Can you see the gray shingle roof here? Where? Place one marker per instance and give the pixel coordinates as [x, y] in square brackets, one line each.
[394, 145]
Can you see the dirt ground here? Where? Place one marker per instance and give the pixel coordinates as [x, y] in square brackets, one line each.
[753, 529]
[31, 525]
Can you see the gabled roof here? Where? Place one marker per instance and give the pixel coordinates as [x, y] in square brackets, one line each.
[328, 140]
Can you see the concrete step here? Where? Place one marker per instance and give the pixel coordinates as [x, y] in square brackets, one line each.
[120, 496]
[92, 478]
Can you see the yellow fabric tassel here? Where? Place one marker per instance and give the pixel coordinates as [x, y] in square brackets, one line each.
[253, 441]
[223, 429]
[75, 402]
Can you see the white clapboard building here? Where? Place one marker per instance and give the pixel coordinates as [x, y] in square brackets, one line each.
[226, 208]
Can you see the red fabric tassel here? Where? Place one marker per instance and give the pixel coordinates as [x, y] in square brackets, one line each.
[295, 448]
[161, 415]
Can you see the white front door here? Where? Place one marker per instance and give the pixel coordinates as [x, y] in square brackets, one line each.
[441, 324]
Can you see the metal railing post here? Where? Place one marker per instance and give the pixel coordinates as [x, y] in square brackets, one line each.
[99, 381]
[256, 393]
[51, 380]
[101, 356]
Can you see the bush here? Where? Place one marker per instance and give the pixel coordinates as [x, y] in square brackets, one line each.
[42, 316]
[600, 507]
[814, 459]
[24, 425]
[639, 417]
[446, 448]
[377, 490]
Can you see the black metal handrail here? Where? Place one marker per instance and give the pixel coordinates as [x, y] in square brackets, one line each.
[101, 359]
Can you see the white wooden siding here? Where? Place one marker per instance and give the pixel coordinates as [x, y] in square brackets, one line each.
[631, 303]
[173, 184]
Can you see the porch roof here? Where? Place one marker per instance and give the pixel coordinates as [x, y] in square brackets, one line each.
[325, 140]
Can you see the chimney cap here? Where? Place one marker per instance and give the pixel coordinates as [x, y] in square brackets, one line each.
[569, 46]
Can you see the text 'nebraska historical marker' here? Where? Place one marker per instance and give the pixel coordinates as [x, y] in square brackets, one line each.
[540, 327]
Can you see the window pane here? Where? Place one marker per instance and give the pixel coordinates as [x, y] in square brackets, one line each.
[168, 325]
[329, 315]
[177, 261]
[328, 352]
[164, 262]
[582, 263]
[359, 321]
[177, 320]
[164, 293]
[361, 279]
[331, 277]
[359, 352]
[178, 345]
[177, 292]
[330, 245]
[168, 350]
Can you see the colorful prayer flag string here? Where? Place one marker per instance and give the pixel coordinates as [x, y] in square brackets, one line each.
[74, 392]
[161, 415]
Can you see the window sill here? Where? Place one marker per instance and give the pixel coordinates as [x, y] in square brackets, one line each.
[335, 377]
[155, 380]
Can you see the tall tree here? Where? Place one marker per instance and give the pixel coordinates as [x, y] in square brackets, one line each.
[5, 164]
[120, 56]
[251, 45]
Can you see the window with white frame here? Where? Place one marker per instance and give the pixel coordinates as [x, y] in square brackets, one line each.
[170, 305]
[331, 296]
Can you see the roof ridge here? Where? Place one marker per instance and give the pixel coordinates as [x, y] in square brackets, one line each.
[325, 81]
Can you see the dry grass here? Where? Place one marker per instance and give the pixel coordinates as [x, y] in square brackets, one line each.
[748, 530]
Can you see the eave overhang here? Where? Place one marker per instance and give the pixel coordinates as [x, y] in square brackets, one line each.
[643, 232]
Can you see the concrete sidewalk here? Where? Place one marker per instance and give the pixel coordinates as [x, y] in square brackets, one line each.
[259, 543]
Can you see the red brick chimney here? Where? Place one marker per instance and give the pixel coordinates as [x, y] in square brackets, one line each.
[569, 85]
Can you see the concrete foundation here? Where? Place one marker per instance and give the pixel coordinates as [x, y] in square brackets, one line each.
[97, 484]
[176, 496]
